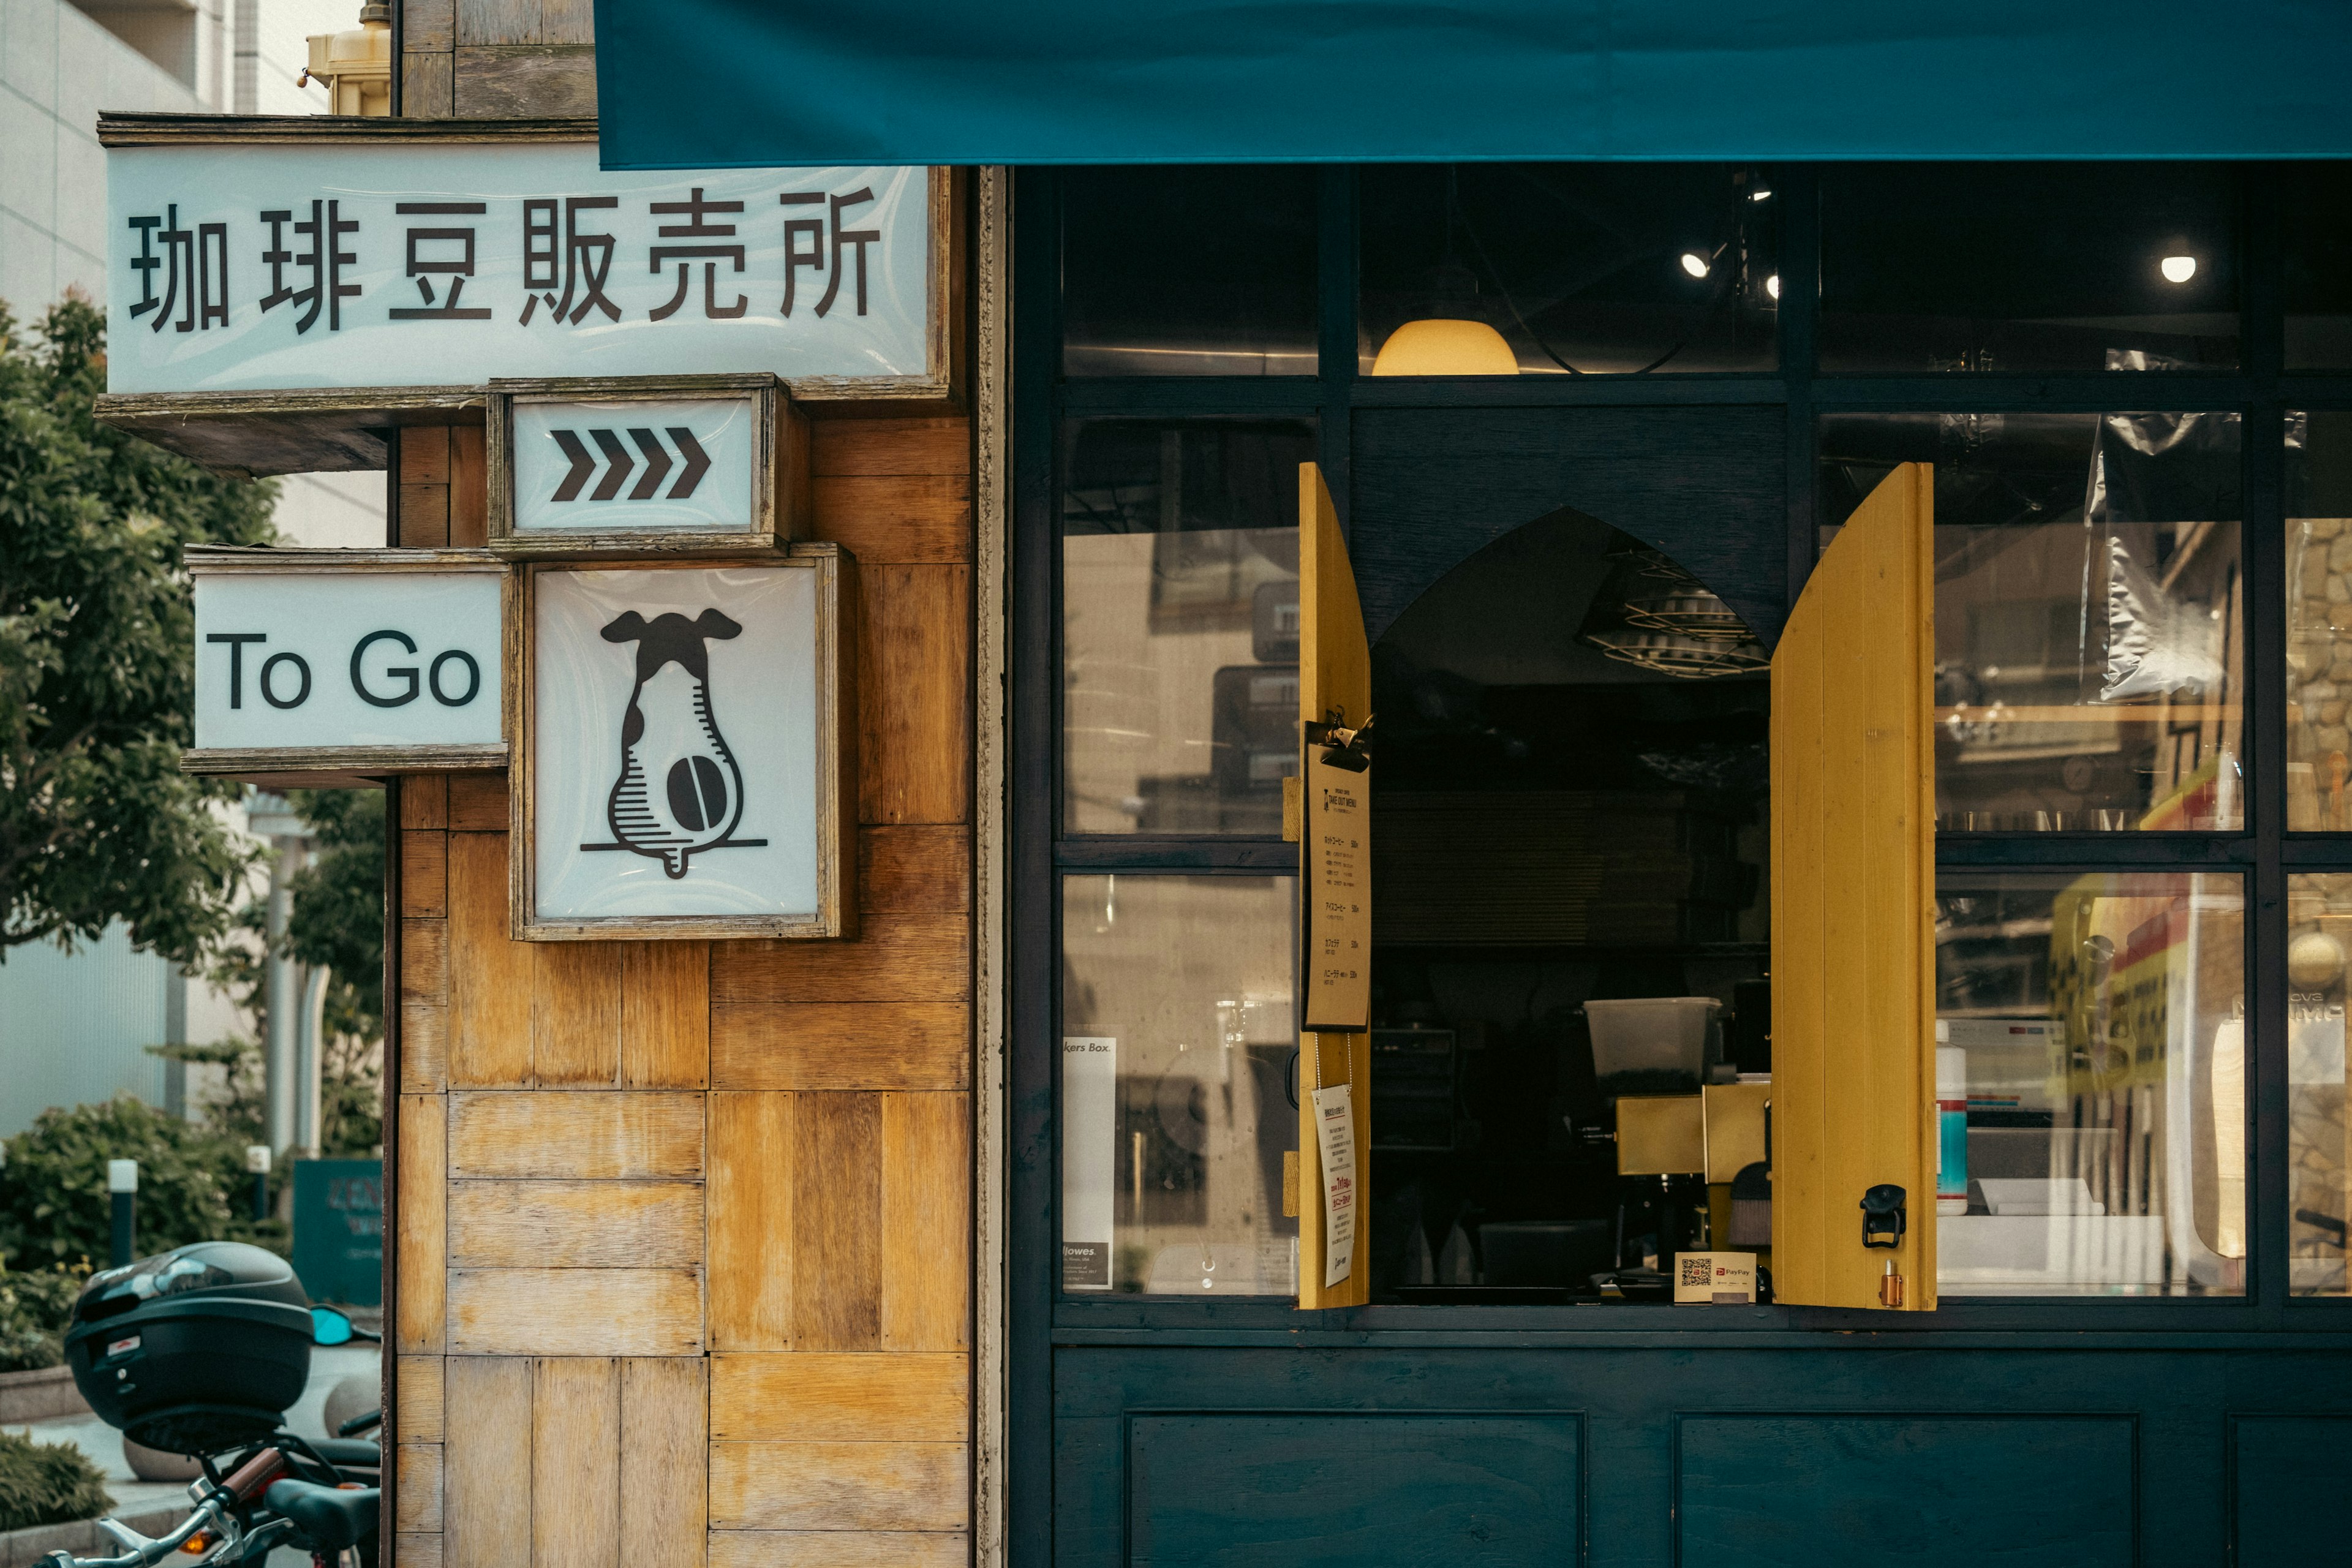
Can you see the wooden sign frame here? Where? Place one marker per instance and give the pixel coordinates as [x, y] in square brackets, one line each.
[836, 572]
[333, 766]
[779, 465]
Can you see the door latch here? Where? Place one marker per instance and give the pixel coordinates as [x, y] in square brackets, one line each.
[1884, 1219]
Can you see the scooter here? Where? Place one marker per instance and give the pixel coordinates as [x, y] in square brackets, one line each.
[145, 1349]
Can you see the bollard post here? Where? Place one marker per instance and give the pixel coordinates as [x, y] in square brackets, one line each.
[122, 1183]
[257, 1160]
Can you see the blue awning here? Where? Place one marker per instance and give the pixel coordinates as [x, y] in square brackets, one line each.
[714, 83]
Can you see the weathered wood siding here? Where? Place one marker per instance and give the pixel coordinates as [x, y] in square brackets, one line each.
[701, 1210]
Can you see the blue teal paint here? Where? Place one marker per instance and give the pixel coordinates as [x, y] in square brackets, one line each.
[735, 83]
[339, 1230]
[1951, 1128]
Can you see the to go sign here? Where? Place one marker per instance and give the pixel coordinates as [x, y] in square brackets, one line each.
[369, 656]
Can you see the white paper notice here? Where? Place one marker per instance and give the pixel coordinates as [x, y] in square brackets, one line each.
[1089, 1158]
[1335, 1130]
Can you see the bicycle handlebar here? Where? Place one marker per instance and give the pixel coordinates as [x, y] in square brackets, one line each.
[210, 1514]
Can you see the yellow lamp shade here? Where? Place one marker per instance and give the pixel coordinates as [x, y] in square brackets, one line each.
[1443, 347]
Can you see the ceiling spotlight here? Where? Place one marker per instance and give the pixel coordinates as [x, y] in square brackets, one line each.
[1695, 265]
[1772, 285]
[1761, 193]
[2179, 269]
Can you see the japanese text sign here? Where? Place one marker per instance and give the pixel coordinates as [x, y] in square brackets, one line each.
[323, 653]
[332, 264]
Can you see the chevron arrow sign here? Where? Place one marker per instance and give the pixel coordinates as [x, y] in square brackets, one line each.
[665, 466]
[620, 462]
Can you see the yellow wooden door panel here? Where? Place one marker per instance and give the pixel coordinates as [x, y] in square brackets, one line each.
[1854, 1067]
[1335, 676]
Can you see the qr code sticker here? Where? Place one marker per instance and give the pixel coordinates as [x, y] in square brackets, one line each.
[1697, 1271]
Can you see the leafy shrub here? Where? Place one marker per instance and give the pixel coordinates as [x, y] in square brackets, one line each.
[47, 1483]
[35, 1307]
[54, 1207]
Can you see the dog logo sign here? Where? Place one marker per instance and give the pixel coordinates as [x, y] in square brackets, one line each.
[680, 792]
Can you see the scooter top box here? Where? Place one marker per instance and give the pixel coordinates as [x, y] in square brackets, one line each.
[195, 1350]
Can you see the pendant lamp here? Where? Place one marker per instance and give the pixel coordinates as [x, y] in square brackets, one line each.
[1443, 345]
[1453, 339]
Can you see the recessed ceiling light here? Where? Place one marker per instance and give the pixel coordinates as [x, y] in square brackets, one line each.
[1761, 193]
[2179, 269]
[1695, 263]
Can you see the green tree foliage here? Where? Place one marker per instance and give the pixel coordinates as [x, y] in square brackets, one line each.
[47, 1483]
[54, 1206]
[337, 923]
[338, 919]
[97, 822]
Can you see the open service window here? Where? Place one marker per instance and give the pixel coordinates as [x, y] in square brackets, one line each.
[1850, 1104]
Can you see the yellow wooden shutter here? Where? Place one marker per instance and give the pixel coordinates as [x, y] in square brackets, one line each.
[1853, 980]
[1335, 681]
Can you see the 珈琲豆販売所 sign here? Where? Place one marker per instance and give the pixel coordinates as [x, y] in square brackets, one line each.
[241, 261]
[347, 661]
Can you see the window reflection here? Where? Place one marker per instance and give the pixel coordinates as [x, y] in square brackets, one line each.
[1178, 1050]
[2098, 1024]
[2319, 621]
[2319, 1133]
[1180, 624]
[1188, 272]
[2012, 266]
[2089, 641]
[1571, 268]
[2315, 202]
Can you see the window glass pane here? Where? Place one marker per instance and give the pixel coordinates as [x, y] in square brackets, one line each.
[2097, 1024]
[1188, 272]
[1180, 624]
[2089, 643]
[2319, 1133]
[2021, 267]
[2316, 202]
[1178, 1047]
[2319, 620]
[1578, 266]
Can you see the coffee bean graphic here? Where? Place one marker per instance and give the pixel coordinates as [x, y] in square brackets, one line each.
[669, 731]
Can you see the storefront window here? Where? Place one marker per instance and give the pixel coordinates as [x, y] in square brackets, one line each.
[2319, 1133]
[1178, 1055]
[2024, 268]
[2319, 621]
[1180, 624]
[1567, 268]
[2316, 211]
[1188, 272]
[2089, 625]
[2095, 1026]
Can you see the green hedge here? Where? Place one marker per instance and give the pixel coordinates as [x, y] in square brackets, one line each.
[47, 1483]
[55, 1208]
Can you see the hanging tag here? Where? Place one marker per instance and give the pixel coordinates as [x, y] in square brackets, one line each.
[1335, 1126]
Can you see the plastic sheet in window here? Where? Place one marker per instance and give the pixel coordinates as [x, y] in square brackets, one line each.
[2158, 468]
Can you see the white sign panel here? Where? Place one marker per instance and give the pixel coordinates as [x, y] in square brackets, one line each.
[331, 659]
[332, 265]
[1089, 1158]
[674, 737]
[637, 468]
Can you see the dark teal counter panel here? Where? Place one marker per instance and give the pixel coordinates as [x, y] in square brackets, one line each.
[1700, 1458]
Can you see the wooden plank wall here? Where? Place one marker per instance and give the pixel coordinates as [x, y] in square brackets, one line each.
[496, 59]
[684, 1228]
